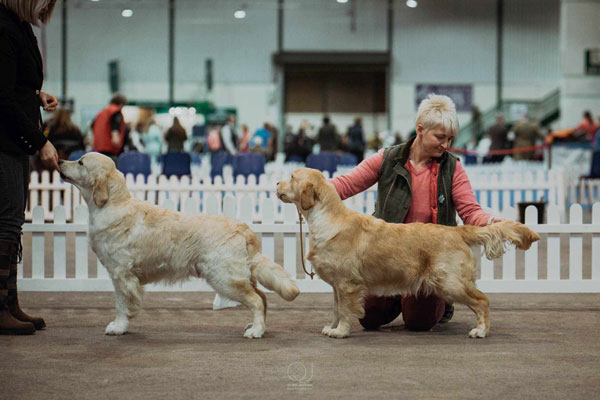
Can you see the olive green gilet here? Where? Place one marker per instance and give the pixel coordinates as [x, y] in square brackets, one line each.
[394, 191]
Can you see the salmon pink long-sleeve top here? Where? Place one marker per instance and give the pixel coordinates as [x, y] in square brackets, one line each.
[421, 209]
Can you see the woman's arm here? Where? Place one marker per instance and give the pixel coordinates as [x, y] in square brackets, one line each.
[465, 202]
[360, 178]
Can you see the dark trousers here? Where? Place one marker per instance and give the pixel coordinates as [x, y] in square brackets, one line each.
[14, 187]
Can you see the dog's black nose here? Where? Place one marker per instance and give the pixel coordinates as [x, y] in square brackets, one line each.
[60, 162]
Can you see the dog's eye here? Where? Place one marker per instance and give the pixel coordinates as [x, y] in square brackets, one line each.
[80, 162]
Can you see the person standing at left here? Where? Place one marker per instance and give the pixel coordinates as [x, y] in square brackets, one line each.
[21, 96]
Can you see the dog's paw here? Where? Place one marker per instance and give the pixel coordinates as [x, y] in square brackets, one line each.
[254, 332]
[477, 333]
[326, 330]
[116, 328]
[338, 333]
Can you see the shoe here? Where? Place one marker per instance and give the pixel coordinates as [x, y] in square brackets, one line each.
[9, 325]
[448, 313]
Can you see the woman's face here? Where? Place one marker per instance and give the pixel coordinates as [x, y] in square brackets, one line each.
[435, 141]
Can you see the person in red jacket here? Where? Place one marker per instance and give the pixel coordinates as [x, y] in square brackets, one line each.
[109, 128]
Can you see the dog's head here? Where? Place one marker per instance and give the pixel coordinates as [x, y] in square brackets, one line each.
[96, 176]
[302, 188]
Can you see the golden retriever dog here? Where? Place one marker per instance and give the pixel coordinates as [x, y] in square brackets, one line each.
[140, 243]
[360, 254]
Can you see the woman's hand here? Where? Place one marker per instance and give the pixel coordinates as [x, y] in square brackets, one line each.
[48, 101]
[496, 219]
[48, 156]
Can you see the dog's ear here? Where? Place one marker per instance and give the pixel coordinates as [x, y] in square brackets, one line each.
[100, 191]
[308, 196]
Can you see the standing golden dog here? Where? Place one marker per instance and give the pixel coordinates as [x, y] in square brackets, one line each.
[359, 254]
[140, 243]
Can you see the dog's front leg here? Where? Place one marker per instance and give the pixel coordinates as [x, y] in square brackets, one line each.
[350, 306]
[336, 317]
[127, 303]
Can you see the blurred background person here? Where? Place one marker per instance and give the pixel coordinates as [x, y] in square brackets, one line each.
[153, 141]
[229, 136]
[175, 136]
[498, 135]
[109, 128]
[297, 147]
[64, 134]
[527, 132]
[328, 138]
[356, 139]
[245, 136]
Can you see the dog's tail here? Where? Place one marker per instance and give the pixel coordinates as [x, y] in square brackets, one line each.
[273, 277]
[269, 274]
[493, 237]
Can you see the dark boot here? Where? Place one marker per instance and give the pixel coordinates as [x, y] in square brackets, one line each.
[13, 298]
[9, 325]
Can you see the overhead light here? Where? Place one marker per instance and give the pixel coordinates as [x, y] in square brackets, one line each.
[411, 3]
[127, 13]
[342, 1]
[239, 14]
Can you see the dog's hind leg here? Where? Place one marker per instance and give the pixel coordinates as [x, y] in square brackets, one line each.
[245, 293]
[350, 306]
[128, 300]
[479, 303]
[336, 317]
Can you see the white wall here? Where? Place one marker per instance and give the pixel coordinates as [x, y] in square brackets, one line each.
[438, 42]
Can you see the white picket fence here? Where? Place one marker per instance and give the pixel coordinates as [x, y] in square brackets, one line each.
[518, 274]
[495, 190]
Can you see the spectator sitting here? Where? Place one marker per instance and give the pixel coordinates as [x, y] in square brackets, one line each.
[63, 134]
[328, 138]
[175, 136]
[261, 138]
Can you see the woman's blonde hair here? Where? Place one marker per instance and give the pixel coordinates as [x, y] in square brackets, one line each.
[438, 111]
[29, 10]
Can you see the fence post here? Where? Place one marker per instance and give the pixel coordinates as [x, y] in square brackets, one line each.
[553, 244]
[596, 243]
[509, 272]
[46, 194]
[290, 216]
[575, 244]
[531, 256]
[268, 239]
[60, 245]
[81, 244]
[37, 244]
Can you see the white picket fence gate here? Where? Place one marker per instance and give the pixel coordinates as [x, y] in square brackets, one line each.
[494, 190]
[515, 273]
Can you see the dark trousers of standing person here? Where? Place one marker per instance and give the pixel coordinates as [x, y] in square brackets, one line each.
[14, 187]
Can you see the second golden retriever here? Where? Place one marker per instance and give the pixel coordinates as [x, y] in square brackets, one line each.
[360, 254]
